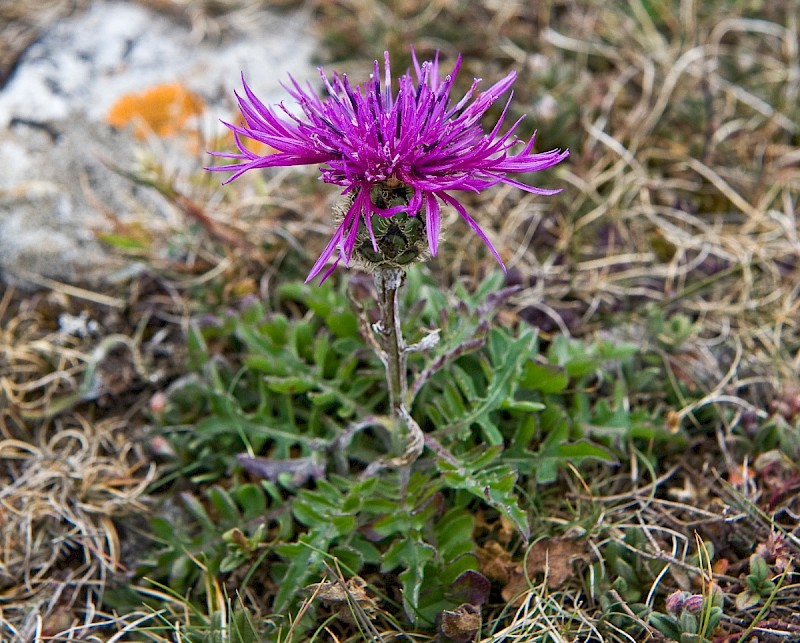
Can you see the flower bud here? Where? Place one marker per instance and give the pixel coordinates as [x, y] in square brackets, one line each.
[675, 601]
[693, 604]
[400, 239]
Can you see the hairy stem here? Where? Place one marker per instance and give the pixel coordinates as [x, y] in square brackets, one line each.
[387, 283]
[407, 438]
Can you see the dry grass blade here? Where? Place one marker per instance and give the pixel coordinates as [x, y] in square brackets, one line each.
[57, 502]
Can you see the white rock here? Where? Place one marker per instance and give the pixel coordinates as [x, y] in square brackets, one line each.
[54, 137]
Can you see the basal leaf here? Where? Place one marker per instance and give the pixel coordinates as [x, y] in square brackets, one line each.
[501, 387]
[349, 558]
[580, 450]
[523, 406]
[225, 506]
[493, 485]
[305, 558]
[546, 378]
[195, 507]
[289, 384]
[198, 349]
[454, 533]
[413, 554]
[251, 499]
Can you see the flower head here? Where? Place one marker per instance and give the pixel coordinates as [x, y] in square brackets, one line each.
[397, 155]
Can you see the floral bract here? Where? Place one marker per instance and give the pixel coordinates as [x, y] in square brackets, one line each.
[368, 137]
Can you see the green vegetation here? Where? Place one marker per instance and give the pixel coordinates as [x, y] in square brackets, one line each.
[612, 429]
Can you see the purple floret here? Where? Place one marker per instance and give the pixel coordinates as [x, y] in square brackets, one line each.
[365, 136]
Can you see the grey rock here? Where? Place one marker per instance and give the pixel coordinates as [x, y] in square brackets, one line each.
[58, 186]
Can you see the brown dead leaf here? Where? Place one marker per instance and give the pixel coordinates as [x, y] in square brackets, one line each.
[721, 566]
[495, 561]
[460, 625]
[554, 558]
[344, 597]
[500, 528]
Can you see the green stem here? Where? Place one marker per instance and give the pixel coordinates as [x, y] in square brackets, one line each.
[407, 438]
[387, 284]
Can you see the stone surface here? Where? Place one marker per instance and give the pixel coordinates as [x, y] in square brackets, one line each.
[57, 188]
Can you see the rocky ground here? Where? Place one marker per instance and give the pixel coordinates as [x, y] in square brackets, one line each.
[70, 71]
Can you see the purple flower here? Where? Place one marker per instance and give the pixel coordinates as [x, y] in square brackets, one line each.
[675, 601]
[694, 603]
[370, 140]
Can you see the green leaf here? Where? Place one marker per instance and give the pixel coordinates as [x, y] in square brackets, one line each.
[666, 624]
[322, 398]
[251, 499]
[232, 561]
[546, 378]
[305, 559]
[308, 513]
[321, 299]
[758, 568]
[264, 341]
[369, 553]
[124, 242]
[195, 507]
[343, 524]
[464, 382]
[391, 523]
[502, 384]
[198, 349]
[547, 469]
[162, 528]
[649, 431]
[182, 571]
[455, 568]
[226, 508]
[494, 485]
[302, 333]
[688, 623]
[626, 571]
[350, 558]
[342, 323]
[291, 385]
[689, 637]
[524, 435]
[617, 352]
[276, 330]
[714, 618]
[413, 554]
[578, 367]
[242, 628]
[454, 534]
[523, 406]
[360, 494]
[582, 450]
[322, 349]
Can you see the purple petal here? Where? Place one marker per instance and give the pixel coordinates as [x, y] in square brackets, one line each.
[432, 222]
[462, 211]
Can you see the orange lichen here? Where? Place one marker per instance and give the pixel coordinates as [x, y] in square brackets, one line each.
[162, 110]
